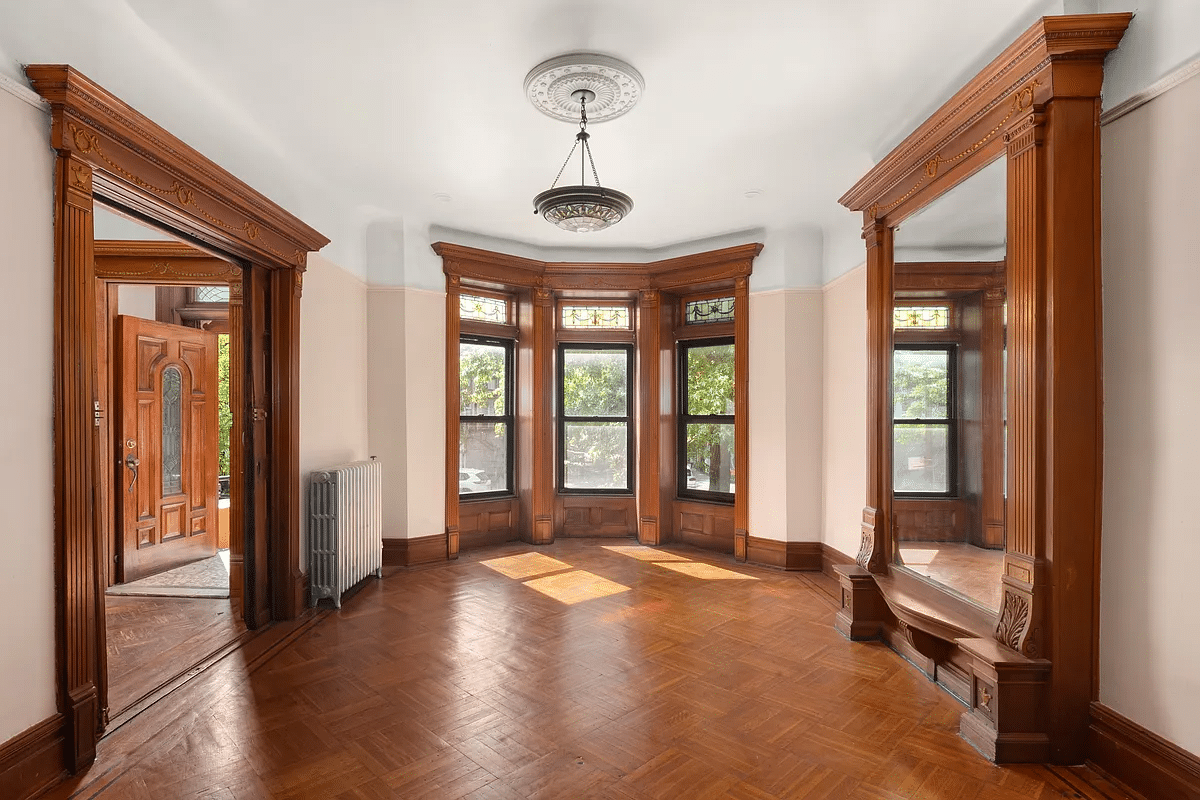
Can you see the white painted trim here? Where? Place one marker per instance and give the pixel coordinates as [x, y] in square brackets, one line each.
[1152, 91]
[23, 92]
[403, 289]
[789, 290]
[845, 276]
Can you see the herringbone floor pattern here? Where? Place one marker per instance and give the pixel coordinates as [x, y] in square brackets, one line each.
[577, 670]
[151, 639]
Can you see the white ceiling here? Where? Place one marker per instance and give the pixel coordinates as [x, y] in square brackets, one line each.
[356, 111]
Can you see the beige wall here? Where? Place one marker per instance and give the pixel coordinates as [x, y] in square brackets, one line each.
[845, 419]
[137, 300]
[407, 406]
[26, 433]
[768, 416]
[386, 403]
[785, 414]
[333, 375]
[425, 412]
[1149, 651]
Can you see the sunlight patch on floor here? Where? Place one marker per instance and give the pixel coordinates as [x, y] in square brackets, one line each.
[644, 553]
[525, 565]
[917, 556]
[575, 586]
[707, 572]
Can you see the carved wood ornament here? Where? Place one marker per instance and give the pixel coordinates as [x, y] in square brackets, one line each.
[1036, 105]
[109, 152]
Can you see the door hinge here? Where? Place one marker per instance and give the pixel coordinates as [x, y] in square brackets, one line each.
[259, 414]
[97, 413]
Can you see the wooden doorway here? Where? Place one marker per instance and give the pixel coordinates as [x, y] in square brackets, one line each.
[166, 416]
[108, 152]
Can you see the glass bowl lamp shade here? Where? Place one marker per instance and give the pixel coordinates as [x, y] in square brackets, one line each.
[583, 209]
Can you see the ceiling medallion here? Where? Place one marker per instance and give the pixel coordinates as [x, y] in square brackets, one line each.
[613, 87]
[616, 86]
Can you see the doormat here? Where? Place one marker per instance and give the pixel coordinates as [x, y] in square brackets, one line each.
[206, 578]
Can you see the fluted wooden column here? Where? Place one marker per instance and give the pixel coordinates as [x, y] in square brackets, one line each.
[453, 404]
[543, 416]
[874, 548]
[237, 438]
[1054, 403]
[741, 418]
[75, 455]
[287, 585]
[648, 344]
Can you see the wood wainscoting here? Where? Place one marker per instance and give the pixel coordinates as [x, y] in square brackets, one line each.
[482, 523]
[596, 516]
[1141, 759]
[930, 519]
[706, 525]
[34, 759]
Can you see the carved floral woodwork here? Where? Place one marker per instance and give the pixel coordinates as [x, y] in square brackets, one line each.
[1038, 98]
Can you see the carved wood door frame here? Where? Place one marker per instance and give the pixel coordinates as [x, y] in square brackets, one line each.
[107, 151]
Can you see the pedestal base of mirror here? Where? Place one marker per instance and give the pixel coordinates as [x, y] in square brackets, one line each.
[864, 611]
[1006, 721]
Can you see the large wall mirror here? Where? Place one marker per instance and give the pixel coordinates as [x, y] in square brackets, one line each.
[979, 555]
[948, 389]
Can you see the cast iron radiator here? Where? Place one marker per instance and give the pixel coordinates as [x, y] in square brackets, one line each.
[345, 528]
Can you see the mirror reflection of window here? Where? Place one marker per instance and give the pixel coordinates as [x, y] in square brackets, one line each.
[948, 451]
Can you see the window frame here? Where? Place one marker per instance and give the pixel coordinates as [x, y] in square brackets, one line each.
[683, 419]
[508, 418]
[563, 419]
[950, 421]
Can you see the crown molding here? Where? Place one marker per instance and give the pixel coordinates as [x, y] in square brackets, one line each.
[22, 92]
[1159, 87]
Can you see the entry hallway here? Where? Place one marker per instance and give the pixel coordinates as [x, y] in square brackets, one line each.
[584, 669]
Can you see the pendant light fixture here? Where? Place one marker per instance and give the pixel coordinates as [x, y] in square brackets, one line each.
[569, 87]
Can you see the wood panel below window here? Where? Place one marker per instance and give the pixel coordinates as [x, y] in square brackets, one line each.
[585, 515]
[707, 525]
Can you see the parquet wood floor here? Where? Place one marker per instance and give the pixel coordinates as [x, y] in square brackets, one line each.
[577, 670]
[152, 639]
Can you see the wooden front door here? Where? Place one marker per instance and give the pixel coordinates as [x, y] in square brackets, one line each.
[166, 386]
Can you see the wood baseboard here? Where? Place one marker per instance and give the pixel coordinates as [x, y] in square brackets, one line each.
[1124, 751]
[33, 760]
[791, 556]
[411, 552]
[831, 558]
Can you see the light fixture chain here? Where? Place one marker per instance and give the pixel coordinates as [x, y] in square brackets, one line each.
[587, 149]
[564, 166]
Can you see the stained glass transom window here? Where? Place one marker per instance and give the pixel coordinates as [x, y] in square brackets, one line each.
[172, 431]
[922, 317]
[212, 294]
[713, 309]
[483, 309]
[595, 317]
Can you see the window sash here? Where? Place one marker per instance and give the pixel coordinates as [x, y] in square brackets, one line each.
[466, 492]
[949, 422]
[684, 420]
[565, 420]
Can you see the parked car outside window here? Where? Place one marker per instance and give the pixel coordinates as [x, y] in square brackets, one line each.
[473, 480]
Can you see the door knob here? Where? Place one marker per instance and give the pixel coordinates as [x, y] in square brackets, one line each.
[132, 462]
